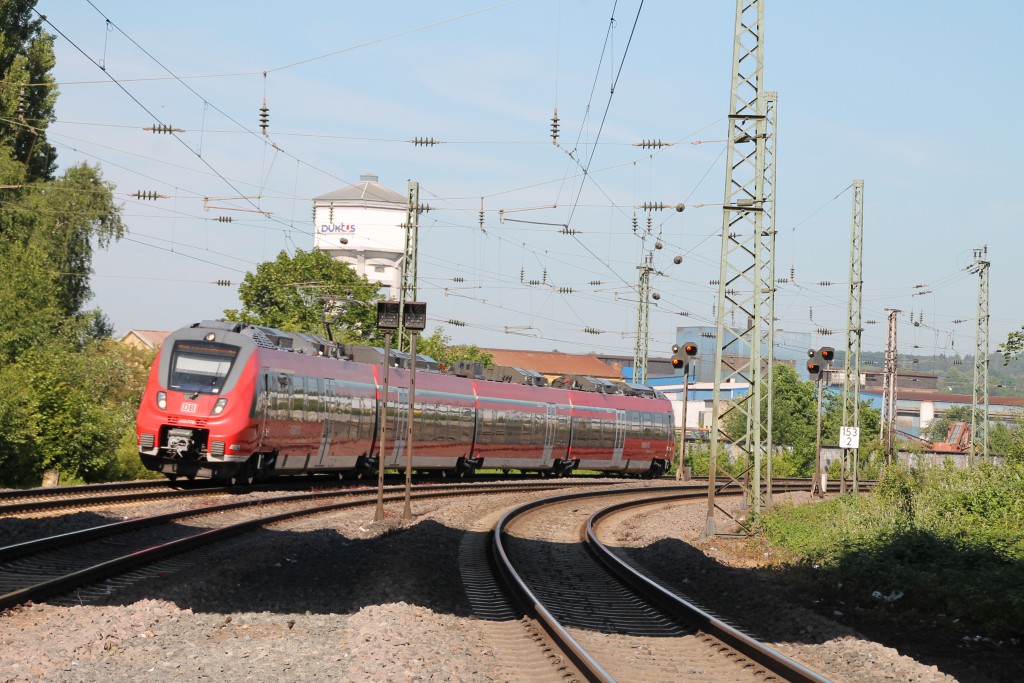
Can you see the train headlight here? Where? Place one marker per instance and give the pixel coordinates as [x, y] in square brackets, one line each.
[218, 407]
[161, 400]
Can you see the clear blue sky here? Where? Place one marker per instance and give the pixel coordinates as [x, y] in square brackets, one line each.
[918, 98]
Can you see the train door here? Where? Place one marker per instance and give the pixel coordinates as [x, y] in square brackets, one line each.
[620, 435]
[550, 429]
[398, 420]
[323, 401]
[263, 410]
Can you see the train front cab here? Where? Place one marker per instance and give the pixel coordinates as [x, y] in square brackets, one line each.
[195, 418]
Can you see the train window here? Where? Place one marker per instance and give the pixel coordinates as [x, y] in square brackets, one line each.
[298, 392]
[315, 400]
[201, 366]
[485, 430]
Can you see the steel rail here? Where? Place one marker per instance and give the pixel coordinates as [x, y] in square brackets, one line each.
[534, 608]
[773, 660]
[155, 553]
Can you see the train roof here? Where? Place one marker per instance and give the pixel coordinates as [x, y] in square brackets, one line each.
[314, 345]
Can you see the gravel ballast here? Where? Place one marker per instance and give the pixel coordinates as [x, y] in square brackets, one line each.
[336, 597]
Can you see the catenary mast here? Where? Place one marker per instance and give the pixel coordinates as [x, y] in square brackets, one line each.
[738, 352]
[979, 396]
[854, 330]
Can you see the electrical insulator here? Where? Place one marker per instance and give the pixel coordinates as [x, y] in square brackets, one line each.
[224, 219]
[554, 127]
[957, 322]
[653, 206]
[591, 330]
[714, 282]
[481, 219]
[544, 275]
[458, 279]
[424, 142]
[824, 283]
[569, 231]
[21, 104]
[457, 323]
[651, 144]
[709, 335]
[792, 272]
[163, 128]
[870, 322]
[224, 283]
[782, 280]
[424, 208]
[685, 314]
[566, 290]
[264, 117]
[534, 282]
[824, 331]
[595, 283]
[634, 225]
[141, 194]
[522, 274]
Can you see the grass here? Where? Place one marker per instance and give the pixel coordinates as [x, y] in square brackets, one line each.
[936, 546]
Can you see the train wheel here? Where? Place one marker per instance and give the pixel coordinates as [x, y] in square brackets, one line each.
[171, 477]
[244, 475]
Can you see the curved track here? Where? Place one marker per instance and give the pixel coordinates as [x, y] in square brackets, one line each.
[606, 627]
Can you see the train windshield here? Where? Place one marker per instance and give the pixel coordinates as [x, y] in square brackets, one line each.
[201, 365]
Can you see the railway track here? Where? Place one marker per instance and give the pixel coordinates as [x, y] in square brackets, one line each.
[610, 622]
[64, 498]
[38, 569]
[70, 497]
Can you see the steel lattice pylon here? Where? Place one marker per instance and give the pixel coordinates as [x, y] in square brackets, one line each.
[890, 382]
[851, 362]
[642, 316]
[738, 353]
[979, 423]
[767, 303]
[408, 289]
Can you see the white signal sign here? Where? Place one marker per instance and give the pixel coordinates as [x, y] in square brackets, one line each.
[849, 437]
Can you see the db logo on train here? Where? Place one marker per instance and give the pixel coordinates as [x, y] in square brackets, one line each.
[189, 407]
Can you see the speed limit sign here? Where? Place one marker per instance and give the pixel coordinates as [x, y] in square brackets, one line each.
[849, 437]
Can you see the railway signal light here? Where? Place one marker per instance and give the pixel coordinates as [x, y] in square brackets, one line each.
[681, 355]
[818, 359]
[814, 369]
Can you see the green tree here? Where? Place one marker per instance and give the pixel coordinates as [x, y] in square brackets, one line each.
[832, 417]
[68, 214]
[438, 346]
[28, 92]
[794, 404]
[298, 293]
[68, 399]
[1013, 347]
[86, 402]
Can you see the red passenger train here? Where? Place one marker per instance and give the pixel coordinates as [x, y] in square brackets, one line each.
[236, 402]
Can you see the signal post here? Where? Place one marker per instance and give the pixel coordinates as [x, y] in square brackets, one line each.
[681, 356]
[817, 362]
